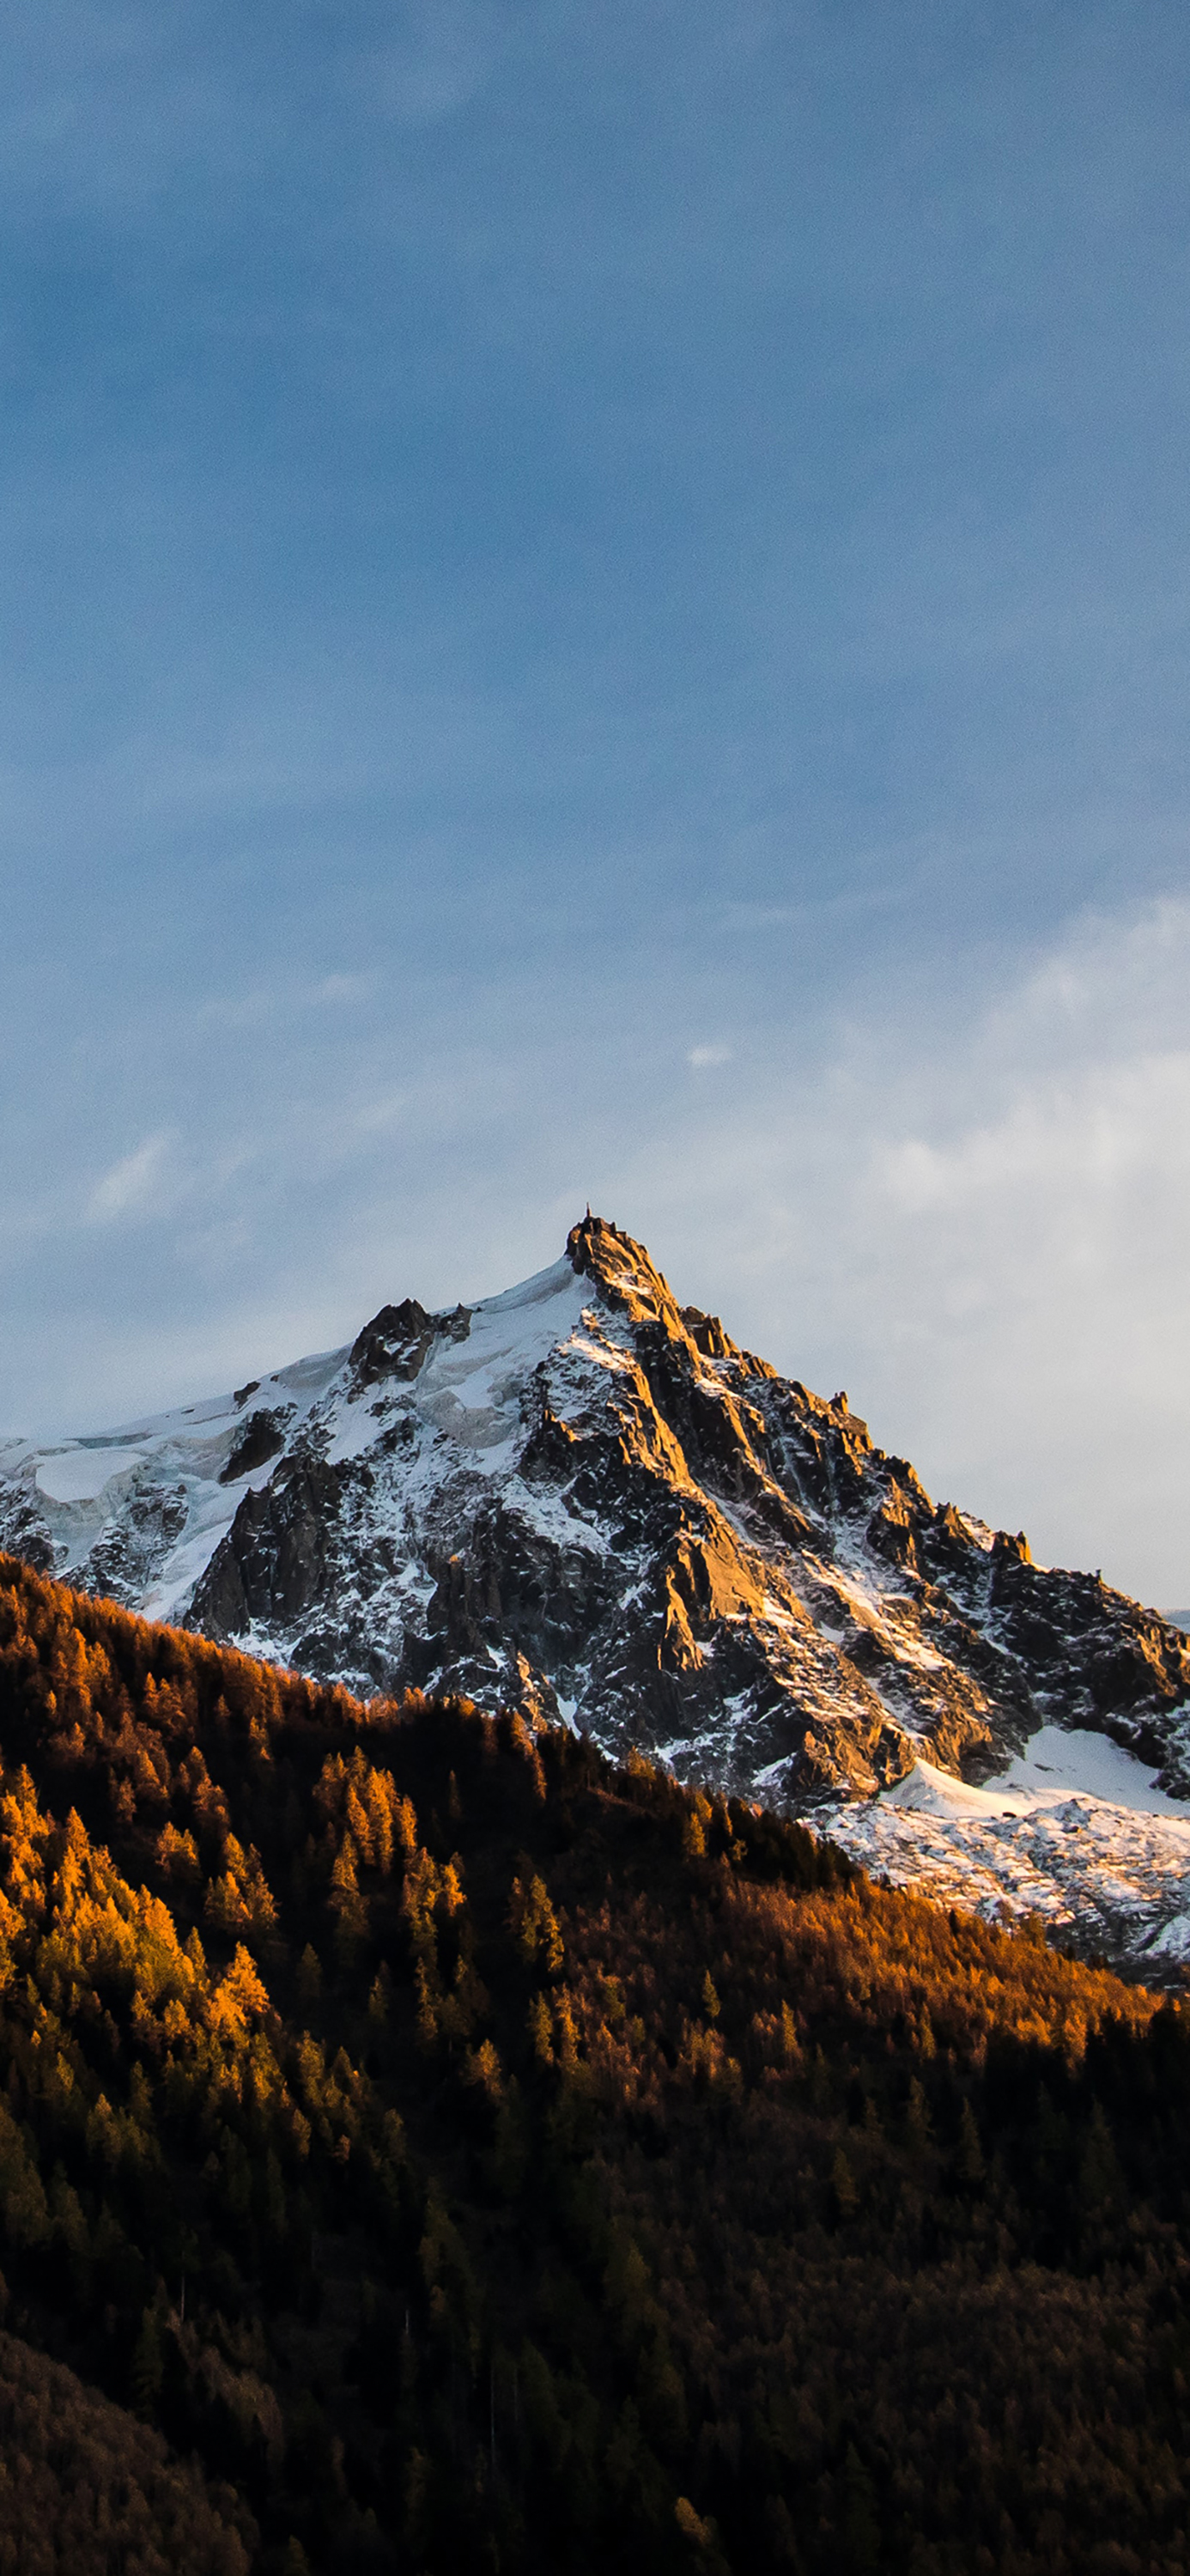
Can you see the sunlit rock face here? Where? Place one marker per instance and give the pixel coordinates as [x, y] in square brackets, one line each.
[582, 1498]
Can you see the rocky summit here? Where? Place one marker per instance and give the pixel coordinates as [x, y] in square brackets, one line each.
[582, 1499]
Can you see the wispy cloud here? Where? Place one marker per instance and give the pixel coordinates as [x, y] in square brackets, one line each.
[1082, 1139]
[131, 1185]
[344, 988]
[286, 999]
[375, 1116]
[433, 65]
[703, 1057]
[980, 1223]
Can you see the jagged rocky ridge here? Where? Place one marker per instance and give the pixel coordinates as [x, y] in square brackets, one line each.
[585, 1499]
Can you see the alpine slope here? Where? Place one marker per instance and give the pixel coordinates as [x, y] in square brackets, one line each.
[584, 1500]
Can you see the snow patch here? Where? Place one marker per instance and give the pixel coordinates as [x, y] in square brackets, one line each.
[80, 1475]
[1058, 1763]
[1074, 1830]
[1061, 1759]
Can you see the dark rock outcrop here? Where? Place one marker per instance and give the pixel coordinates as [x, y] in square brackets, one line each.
[261, 1438]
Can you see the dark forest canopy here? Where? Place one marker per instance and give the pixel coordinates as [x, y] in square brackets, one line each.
[453, 2153]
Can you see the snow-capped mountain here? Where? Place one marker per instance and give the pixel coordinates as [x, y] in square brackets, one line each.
[586, 1499]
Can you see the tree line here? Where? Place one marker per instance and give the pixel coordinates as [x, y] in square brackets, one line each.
[453, 2152]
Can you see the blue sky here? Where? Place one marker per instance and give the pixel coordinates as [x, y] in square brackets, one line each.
[594, 604]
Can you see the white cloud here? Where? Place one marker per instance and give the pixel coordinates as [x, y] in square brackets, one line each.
[131, 1184]
[1083, 1138]
[980, 1224]
[702, 1056]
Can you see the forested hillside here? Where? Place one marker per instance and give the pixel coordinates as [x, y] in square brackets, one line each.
[454, 2153]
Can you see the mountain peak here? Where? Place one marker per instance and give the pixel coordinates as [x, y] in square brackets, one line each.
[597, 1250]
[584, 1499]
[630, 1279]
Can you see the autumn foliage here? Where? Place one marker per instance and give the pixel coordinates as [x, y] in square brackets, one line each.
[451, 2153]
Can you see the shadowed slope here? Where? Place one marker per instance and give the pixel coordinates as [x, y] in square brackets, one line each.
[486, 2157]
